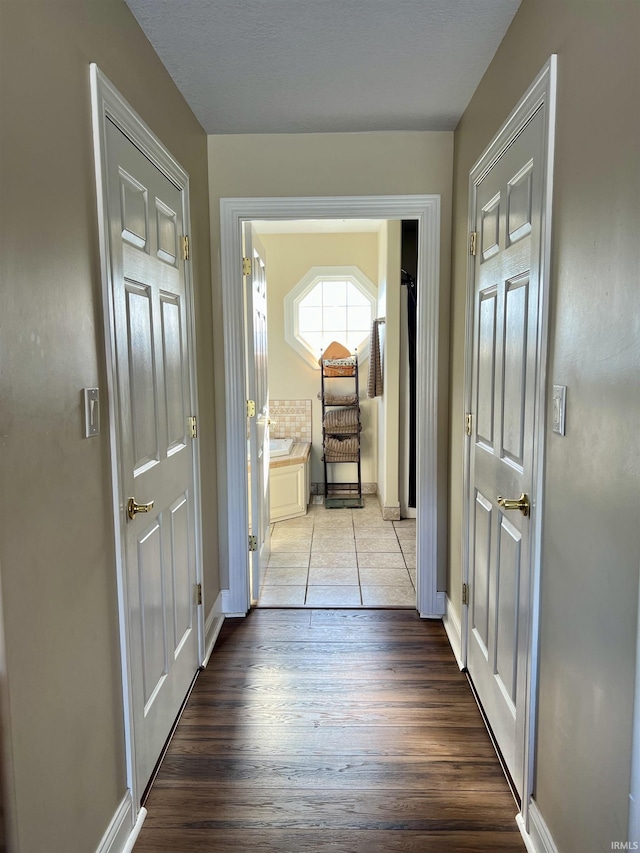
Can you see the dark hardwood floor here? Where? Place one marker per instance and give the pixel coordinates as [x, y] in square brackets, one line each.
[331, 730]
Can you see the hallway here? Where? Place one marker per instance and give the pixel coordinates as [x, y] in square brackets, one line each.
[331, 730]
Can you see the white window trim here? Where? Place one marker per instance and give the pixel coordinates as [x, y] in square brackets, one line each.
[303, 287]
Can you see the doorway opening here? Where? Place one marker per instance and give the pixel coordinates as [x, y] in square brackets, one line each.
[234, 213]
[326, 282]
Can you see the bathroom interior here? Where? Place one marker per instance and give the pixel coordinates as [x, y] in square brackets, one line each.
[328, 280]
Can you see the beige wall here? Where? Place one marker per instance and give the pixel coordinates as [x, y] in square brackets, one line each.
[334, 164]
[591, 533]
[289, 258]
[56, 540]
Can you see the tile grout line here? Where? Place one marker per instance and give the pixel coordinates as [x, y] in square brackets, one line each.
[404, 559]
[352, 527]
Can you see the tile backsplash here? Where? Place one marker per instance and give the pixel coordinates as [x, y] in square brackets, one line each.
[290, 419]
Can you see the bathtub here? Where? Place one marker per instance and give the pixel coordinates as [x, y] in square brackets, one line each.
[280, 447]
[277, 447]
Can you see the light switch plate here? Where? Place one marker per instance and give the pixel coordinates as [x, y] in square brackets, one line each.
[91, 411]
[559, 408]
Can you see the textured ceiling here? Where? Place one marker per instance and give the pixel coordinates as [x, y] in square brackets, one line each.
[314, 66]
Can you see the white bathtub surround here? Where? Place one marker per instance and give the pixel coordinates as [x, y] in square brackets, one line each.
[289, 481]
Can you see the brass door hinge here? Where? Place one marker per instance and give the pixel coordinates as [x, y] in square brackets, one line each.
[253, 543]
[185, 248]
[198, 593]
[251, 408]
[473, 240]
[246, 266]
[193, 426]
[465, 593]
[468, 423]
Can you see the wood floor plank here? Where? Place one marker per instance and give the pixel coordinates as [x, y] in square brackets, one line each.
[364, 715]
[351, 650]
[217, 808]
[344, 731]
[330, 633]
[327, 841]
[225, 667]
[326, 773]
[393, 617]
[443, 740]
[332, 697]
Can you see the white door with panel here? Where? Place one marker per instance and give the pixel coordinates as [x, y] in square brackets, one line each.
[156, 451]
[504, 377]
[258, 392]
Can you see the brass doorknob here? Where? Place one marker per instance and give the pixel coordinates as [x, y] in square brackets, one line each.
[522, 503]
[133, 507]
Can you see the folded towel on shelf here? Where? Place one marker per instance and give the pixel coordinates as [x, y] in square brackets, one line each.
[374, 386]
[342, 420]
[340, 449]
[339, 399]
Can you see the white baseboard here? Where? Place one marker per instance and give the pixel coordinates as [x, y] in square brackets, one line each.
[226, 606]
[135, 832]
[117, 833]
[225, 600]
[538, 839]
[212, 627]
[454, 631]
[539, 831]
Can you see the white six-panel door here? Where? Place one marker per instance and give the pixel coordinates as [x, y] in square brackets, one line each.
[505, 340]
[258, 391]
[153, 388]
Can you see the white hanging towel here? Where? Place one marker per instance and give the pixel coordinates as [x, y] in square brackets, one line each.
[374, 387]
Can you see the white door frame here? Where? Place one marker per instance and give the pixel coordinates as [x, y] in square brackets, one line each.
[540, 95]
[108, 104]
[258, 494]
[233, 492]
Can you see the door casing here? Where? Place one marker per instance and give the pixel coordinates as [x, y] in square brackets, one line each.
[233, 491]
[541, 94]
[258, 390]
[108, 104]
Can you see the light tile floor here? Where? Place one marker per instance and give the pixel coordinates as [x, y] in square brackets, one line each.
[341, 558]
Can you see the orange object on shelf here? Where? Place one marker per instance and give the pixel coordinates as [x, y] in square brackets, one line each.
[336, 351]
